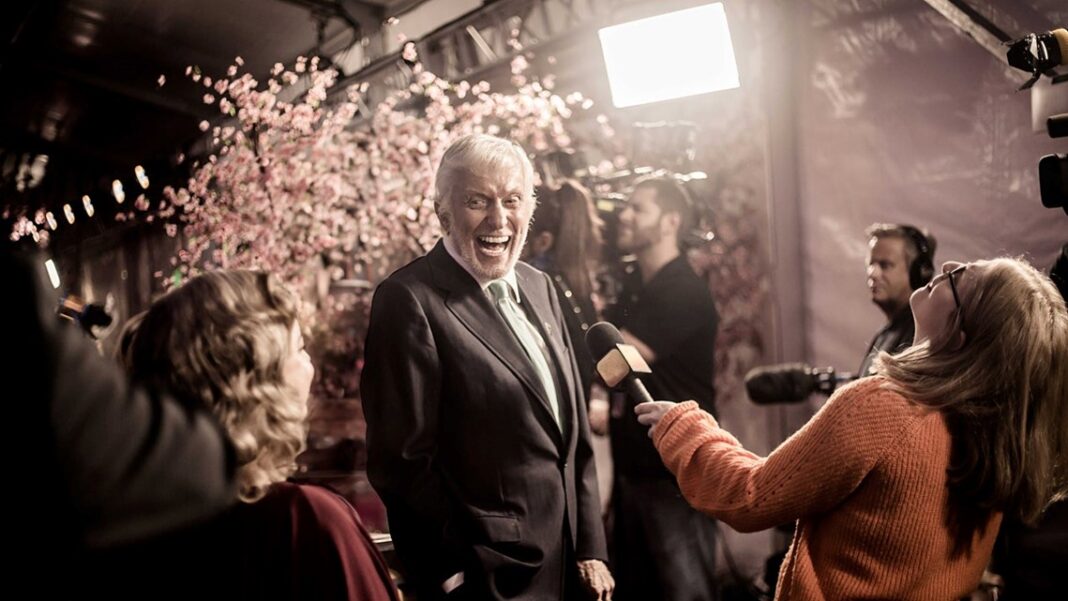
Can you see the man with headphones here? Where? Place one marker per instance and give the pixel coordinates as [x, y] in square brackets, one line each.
[900, 260]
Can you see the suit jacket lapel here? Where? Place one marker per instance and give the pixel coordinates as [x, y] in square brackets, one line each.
[539, 310]
[467, 301]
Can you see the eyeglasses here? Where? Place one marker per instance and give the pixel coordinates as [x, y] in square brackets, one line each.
[952, 277]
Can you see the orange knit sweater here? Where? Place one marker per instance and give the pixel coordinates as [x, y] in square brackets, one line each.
[865, 479]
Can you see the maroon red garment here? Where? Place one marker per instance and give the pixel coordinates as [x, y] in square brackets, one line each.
[305, 542]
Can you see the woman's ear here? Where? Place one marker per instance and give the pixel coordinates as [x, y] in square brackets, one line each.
[541, 243]
[961, 339]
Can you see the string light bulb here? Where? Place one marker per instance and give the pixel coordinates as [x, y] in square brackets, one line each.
[116, 189]
[53, 274]
[88, 204]
[69, 213]
[142, 179]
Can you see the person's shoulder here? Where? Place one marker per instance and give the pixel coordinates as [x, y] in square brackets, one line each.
[526, 272]
[681, 272]
[524, 269]
[315, 503]
[416, 271]
[405, 286]
[681, 283]
[872, 395]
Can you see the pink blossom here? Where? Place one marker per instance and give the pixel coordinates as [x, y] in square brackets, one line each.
[301, 180]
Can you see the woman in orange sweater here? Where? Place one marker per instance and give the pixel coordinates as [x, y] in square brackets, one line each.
[899, 483]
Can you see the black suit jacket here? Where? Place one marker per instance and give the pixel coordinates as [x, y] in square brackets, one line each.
[462, 446]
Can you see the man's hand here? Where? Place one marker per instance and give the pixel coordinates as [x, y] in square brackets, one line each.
[649, 414]
[597, 579]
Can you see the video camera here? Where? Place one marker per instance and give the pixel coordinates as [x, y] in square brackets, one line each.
[1040, 54]
[94, 318]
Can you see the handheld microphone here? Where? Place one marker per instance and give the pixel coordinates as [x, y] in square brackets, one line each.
[617, 361]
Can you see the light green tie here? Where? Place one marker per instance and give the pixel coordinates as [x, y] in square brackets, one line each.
[529, 339]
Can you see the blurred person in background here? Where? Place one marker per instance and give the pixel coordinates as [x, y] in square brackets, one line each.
[565, 242]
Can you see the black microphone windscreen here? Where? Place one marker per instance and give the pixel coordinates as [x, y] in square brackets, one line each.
[787, 383]
[601, 338]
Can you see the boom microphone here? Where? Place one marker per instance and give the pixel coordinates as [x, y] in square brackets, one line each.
[790, 383]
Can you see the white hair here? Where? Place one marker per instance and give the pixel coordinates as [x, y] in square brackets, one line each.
[475, 151]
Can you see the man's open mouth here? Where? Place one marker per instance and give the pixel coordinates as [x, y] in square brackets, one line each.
[493, 245]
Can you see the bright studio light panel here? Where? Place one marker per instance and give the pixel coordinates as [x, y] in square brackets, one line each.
[674, 55]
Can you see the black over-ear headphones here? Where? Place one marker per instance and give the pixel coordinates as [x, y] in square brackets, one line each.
[921, 269]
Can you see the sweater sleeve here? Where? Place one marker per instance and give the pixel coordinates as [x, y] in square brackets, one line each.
[810, 472]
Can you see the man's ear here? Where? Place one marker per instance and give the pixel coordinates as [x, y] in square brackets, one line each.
[670, 222]
[443, 216]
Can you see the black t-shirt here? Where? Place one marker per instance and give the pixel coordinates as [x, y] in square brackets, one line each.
[895, 337]
[675, 316]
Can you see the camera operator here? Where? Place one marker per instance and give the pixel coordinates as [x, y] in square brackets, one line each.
[97, 465]
[662, 548]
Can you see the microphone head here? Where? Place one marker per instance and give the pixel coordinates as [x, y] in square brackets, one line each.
[785, 383]
[602, 338]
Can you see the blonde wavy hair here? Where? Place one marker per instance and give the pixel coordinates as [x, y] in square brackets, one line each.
[222, 340]
[1003, 394]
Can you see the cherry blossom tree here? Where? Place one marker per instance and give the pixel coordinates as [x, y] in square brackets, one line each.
[301, 183]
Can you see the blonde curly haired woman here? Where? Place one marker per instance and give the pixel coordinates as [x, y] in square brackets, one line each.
[899, 483]
[230, 340]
